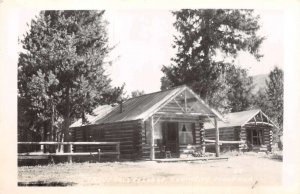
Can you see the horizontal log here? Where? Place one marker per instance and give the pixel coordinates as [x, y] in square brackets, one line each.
[254, 124]
[67, 154]
[121, 134]
[33, 157]
[121, 139]
[68, 143]
[224, 142]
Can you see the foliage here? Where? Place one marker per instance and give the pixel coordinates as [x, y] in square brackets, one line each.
[137, 93]
[275, 95]
[270, 99]
[239, 94]
[61, 73]
[204, 36]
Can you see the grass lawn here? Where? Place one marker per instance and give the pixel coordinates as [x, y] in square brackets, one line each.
[243, 170]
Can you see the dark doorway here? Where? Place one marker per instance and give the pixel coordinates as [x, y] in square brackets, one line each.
[170, 136]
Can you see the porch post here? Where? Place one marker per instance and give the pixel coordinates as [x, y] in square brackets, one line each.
[271, 139]
[152, 149]
[217, 146]
[202, 136]
[242, 137]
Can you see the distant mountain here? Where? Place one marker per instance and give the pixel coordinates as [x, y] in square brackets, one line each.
[259, 81]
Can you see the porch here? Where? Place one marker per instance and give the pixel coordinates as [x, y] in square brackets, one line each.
[175, 125]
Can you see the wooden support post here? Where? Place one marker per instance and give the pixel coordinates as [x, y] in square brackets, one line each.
[118, 150]
[202, 136]
[261, 117]
[217, 146]
[99, 155]
[42, 148]
[185, 102]
[241, 146]
[271, 140]
[152, 147]
[71, 151]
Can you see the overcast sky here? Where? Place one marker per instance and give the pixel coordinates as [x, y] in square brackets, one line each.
[144, 39]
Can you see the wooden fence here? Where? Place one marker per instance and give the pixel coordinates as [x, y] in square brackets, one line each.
[70, 154]
[224, 142]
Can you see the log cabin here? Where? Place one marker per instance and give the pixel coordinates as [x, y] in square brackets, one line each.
[253, 127]
[149, 125]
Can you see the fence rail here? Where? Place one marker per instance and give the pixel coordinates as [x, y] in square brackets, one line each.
[224, 142]
[70, 154]
[68, 143]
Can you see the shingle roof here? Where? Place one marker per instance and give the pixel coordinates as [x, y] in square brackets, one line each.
[136, 108]
[99, 112]
[234, 119]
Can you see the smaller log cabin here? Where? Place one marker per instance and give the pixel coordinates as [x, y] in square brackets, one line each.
[149, 125]
[252, 126]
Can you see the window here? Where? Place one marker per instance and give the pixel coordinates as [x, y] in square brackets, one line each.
[186, 133]
[257, 137]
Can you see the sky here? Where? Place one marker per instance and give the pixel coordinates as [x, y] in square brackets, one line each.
[143, 44]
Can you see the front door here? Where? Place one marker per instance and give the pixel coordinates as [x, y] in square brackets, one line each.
[171, 138]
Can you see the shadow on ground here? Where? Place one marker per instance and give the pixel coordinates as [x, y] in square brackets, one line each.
[43, 183]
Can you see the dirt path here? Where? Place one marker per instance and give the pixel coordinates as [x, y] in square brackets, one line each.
[242, 170]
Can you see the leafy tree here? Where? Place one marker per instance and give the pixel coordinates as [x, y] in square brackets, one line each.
[204, 35]
[61, 73]
[137, 93]
[270, 99]
[239, 95]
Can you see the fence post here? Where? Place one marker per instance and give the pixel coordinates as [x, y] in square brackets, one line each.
[42, 148]
[71, 151]
[99, 151]
[118, 150]
[217, 145]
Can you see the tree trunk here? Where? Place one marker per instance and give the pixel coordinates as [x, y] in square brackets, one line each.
[67, 116]
[52, 123]
[66, 123]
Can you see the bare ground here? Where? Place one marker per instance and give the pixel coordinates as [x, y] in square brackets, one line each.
[244, 170]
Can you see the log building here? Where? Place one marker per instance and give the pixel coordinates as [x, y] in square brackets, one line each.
[149, 125]
[252, 126]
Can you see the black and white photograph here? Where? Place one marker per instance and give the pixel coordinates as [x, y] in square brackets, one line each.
[191, 97]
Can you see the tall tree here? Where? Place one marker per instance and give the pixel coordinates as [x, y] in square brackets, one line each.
[203, 36]
[239, 94]
[270, 99]
[61, 71]
[275, 95]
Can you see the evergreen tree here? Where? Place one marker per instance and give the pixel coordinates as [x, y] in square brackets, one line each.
[274, 93]
[61, 73]
[270, 99]
[204, 35]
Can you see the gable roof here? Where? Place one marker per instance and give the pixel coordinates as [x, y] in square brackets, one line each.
[237, 119]
[141, 107]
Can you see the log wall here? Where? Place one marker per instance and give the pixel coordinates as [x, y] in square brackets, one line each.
[225, 134]
[128, 133]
